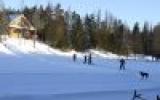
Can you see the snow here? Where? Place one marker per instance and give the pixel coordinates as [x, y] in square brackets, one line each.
[39, 73]
[105, 54]
[5, 50]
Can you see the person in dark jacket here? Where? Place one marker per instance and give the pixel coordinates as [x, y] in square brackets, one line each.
[90, 59]
[122, 64]
[136, 95]
[85, 59]
[74, 57]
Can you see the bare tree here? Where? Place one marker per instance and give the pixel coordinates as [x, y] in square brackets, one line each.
[3, 19]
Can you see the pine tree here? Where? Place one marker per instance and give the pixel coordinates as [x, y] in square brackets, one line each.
[78, 36]
[90, 31]
[136, 45]
[144, 37]
[156, 40]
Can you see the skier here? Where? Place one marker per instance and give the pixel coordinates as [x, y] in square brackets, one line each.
[136, 95]
[90, 59]
[85, 59]
[122, 64]
[74, 57]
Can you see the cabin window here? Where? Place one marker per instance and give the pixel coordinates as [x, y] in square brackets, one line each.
[17, 31]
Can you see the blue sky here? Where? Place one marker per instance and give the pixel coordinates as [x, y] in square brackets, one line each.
[129, 11]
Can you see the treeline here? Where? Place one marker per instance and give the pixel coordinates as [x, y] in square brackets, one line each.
[66, 29]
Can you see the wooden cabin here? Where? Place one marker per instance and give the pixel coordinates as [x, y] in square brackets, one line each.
[21, 27]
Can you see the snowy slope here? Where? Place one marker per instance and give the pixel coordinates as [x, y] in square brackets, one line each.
[43, 73]
[23, 46]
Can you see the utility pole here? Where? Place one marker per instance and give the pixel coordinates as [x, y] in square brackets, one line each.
[22, 28]
[37, 24]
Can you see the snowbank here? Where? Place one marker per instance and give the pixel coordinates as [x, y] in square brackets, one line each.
[4, 50]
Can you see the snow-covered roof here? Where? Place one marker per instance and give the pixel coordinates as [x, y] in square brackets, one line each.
[21, 22]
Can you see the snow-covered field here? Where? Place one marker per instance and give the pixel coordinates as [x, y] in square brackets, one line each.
[43, 73]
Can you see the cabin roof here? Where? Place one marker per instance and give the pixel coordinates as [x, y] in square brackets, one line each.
[21, 22]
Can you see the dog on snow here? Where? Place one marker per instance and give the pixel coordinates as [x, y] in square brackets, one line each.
[144, 75]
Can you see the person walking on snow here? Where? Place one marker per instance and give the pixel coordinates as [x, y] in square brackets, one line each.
[74, 57]
[122, 64]
[90, 59]
[137, 96]
[85, 59]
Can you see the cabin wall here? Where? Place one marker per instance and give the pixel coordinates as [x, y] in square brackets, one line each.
[14, 33]
[17, 33]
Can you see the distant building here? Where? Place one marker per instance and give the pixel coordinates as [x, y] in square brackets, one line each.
[21, 27]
